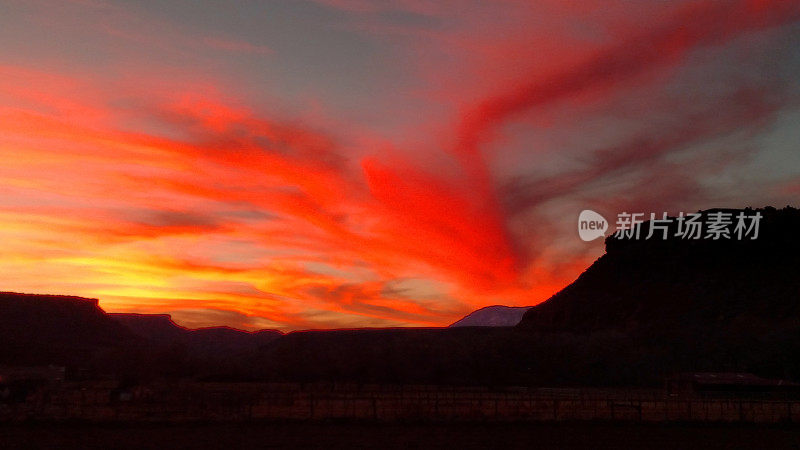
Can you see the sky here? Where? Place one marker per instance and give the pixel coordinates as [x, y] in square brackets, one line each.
[302, 164]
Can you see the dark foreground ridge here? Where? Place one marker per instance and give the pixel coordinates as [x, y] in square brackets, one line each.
[51, 329]
[643, 312]
[702, 288]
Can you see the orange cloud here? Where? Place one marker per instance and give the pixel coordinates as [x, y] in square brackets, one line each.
[124, 206]
[158, 189]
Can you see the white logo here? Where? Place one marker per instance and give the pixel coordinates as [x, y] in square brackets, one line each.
[591, 225]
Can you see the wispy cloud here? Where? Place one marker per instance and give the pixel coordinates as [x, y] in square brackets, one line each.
[145, 175]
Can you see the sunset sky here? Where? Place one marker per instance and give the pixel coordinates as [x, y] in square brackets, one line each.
[354, 163]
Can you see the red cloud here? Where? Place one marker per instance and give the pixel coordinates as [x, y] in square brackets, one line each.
[159, 193]
[663, 44]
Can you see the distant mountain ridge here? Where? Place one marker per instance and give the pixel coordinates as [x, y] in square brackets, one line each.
[158, 327]
[645, 310]
[206, 342]
[75, 332]
[493, 316]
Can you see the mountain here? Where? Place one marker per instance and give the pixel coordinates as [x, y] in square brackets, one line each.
[650, 308]
[75, 332]
[493, 316]
[692, 286]
[204, 343]
[216, 342]
[45, 329]
[154, 327]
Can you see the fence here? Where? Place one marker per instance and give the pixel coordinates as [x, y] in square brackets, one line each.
[254, 401]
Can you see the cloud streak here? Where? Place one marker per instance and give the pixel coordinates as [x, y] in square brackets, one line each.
[148, 178]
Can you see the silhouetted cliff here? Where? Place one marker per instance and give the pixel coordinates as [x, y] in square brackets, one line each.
[153, 327]
[649, 308]
[687, 285]
[49, 329]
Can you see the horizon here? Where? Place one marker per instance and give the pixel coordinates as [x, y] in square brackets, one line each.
[96, 302]
[645, 224]
[347, 164]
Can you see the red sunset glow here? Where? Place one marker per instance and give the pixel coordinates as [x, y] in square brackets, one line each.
[357, 163]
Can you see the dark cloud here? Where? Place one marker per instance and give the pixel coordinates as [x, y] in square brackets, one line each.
[748, 110]
[693, 25]
[180, 219]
